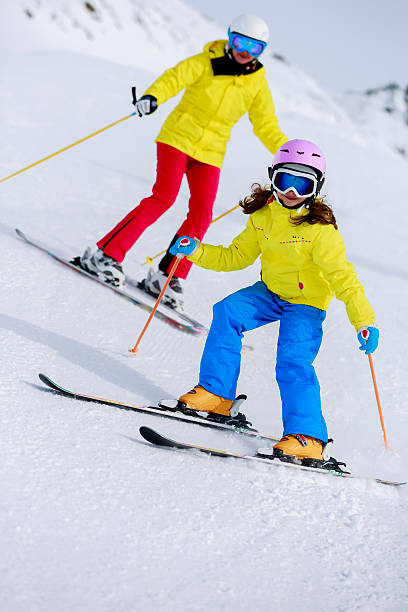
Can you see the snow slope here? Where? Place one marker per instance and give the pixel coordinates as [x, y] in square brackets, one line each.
[91, 517]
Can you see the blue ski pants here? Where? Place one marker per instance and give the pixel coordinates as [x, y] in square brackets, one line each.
[300, 336]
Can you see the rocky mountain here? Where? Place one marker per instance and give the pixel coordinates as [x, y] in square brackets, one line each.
[382, 114]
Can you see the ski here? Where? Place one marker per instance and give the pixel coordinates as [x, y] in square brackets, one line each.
[177, 416]
[158, 439]
[138, 297]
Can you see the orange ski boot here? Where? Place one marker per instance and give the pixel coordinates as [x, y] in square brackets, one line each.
[219, 409]
[296, 448]
[203, 401]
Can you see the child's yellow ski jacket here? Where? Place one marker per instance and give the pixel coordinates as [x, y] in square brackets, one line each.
[302, 264]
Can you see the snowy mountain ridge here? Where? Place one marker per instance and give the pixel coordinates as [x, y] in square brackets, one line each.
[136, 33]
[148, 35]
[129, 32]
[393, 98]
[382, 114]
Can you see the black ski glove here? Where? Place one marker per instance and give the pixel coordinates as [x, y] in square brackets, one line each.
[146, 105]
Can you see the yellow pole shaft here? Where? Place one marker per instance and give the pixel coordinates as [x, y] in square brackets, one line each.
[149, 260]
[65, 148]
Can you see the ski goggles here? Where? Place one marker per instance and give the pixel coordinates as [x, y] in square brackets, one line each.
[242, 43]
[285, 180]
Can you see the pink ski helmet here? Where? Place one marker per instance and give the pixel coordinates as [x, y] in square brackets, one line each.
[301, 152]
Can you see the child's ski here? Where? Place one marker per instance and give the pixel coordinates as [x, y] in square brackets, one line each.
[178, 416]
[157, 439]
[136, 296]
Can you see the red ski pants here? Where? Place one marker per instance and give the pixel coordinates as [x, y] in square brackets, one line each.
[172, 164]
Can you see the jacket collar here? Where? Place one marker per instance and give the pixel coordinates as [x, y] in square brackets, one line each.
[282, 211]
[223, 63]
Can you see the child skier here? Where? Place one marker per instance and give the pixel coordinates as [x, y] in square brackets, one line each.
[303, 261]
[221, 84]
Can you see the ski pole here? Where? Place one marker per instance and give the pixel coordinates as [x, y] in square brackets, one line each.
[377, 395]
[65, 148]
[179, 256]
[370, 359]
[149, 260]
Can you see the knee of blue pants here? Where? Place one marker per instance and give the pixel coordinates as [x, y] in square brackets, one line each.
[225, 318]
[292, 373]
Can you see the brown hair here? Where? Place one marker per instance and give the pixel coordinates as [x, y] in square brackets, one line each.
[317, 211]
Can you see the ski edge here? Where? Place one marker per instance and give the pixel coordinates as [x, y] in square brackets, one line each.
[153, 410]
[171, 316]
[157, 439]
[185, 325]
[131, 282]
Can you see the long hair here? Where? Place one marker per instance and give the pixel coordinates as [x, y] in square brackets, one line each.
[317, 210]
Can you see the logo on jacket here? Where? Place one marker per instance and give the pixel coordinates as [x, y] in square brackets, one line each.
[296, 240]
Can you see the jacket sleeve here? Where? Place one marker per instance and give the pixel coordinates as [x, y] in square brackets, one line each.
[241, 253]
[171, 82]
[264, 120]
[329, 254]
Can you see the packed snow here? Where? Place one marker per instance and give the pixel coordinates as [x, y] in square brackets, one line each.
[94, 518]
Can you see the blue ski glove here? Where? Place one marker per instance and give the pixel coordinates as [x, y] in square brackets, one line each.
[184, 246]
[368, 338]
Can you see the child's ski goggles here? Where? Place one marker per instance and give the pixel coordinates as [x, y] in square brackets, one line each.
[285, 180]
[242, 43]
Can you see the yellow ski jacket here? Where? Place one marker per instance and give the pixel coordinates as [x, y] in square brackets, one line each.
[200, 125]
[302, 264]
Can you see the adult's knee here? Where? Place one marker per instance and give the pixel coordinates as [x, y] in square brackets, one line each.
[161, 200]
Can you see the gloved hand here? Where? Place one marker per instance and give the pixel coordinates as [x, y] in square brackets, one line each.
[368, 338]
[146, 105]
[185, 246]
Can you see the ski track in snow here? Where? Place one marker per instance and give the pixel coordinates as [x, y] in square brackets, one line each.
[93, 518]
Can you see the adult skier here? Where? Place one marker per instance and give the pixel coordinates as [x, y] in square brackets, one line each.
[304, 264]
[221, 84]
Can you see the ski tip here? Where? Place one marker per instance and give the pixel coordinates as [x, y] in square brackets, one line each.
[48, 382]
[144, 430]
[153, 436]
[148, 433]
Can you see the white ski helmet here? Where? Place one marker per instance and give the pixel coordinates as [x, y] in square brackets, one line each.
[252, 26]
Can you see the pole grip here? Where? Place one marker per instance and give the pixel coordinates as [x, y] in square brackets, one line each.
[134, 98]
[184, 242]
